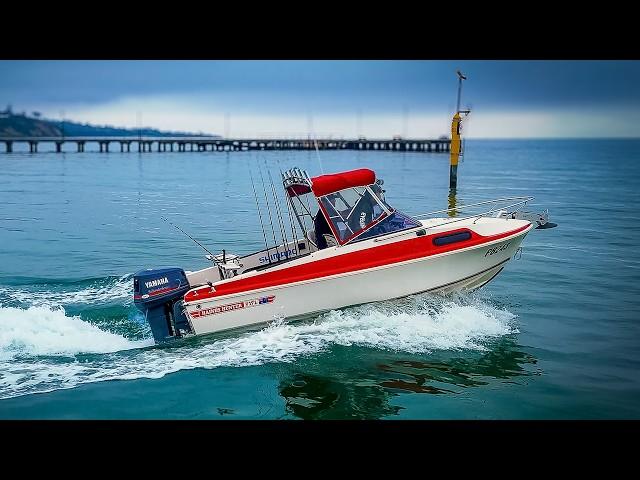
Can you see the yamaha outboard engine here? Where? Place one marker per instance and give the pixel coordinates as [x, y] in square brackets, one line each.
[158, 294]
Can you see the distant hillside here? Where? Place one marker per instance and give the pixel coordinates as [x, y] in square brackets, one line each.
[12, 125]
[19, 126]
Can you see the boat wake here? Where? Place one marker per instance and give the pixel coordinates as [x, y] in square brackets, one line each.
[85, 292]
[46, 331]
[44, 349]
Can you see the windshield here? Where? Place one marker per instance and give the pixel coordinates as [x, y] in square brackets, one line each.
[351, 211]
[396, 222]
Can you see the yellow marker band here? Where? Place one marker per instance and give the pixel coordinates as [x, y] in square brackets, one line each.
[455, 139]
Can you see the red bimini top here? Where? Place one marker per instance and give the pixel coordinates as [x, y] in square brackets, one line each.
[326, 184]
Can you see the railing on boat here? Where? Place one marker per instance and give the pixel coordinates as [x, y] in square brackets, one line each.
[521, 202]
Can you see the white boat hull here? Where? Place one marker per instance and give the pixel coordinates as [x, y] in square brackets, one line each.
[462, 269]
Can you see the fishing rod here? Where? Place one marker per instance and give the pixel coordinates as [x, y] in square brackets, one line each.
[266, 246]
[202, 246]
[283, 230]
[287, 199]
[264, 188]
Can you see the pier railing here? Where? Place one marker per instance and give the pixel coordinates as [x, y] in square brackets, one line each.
[217, 144]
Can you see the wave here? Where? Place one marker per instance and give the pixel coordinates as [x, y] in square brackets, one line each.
[416, 324]
[64, 293]
[43, 331]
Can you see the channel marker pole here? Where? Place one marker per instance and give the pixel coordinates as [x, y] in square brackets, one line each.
[455, 137]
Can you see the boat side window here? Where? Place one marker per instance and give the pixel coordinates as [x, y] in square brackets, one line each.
[351, 211]
[452, 238]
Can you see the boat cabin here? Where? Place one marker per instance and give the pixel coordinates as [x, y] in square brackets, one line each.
[332, 211]
[341, 208]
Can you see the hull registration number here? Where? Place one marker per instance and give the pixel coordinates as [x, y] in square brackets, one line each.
[497, 249]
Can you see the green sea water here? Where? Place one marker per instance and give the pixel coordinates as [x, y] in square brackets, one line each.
[555, 336]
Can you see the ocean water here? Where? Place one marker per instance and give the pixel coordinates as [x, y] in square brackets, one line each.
[555, 336]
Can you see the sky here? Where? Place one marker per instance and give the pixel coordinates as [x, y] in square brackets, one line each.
[267, 98]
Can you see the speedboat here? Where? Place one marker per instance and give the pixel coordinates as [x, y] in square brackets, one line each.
[344, 245]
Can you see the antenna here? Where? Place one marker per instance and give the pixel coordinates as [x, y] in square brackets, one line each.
[315, 143]
[405, 121]
[461, 77]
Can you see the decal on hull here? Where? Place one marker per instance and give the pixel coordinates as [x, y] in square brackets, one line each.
[254, 302]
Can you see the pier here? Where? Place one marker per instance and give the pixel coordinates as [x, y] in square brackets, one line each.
[217, 144]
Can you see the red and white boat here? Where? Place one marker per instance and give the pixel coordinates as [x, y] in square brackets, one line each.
[344, 245]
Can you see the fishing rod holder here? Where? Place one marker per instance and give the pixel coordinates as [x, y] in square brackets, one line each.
[228, 264]
[295, 176]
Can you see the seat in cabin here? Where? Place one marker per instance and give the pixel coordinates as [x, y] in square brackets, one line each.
[322, 232]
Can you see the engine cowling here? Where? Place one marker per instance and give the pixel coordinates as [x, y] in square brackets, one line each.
[158, 294]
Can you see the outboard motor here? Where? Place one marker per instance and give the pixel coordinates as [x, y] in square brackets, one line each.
[158, 294]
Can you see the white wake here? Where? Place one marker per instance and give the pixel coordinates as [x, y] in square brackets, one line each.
[416, 325]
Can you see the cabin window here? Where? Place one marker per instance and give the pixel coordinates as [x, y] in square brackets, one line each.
[452, 238]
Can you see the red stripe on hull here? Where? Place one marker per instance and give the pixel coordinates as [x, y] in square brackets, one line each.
[382, 255]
